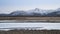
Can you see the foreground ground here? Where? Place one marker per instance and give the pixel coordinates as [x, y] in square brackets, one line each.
[31, 32]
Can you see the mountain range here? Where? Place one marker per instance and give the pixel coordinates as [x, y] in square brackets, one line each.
[35, 12]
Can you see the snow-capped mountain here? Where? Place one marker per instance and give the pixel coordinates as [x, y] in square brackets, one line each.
[34, 12]
[55, 14]
[15, 13]
[58, 9]
[21, 13]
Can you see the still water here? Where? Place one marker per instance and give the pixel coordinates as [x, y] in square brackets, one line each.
[47, 26]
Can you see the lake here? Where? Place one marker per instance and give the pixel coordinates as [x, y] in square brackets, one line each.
[37, 26]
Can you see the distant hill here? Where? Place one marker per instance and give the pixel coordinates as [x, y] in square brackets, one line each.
[54, 14]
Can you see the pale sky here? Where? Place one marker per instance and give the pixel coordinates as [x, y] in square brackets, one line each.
[12, 5]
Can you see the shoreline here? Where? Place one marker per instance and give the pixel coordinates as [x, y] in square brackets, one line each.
[29, 21]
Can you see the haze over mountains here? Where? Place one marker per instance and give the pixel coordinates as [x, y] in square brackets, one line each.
[35, 12]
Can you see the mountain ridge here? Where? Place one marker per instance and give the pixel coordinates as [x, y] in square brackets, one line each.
[35, 12]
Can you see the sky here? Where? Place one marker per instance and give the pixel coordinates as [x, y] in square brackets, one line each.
[12, 5]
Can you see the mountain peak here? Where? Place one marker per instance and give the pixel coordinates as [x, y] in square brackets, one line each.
[37, 9]
[58, 9]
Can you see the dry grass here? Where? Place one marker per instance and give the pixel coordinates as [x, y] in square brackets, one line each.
[31, 32]
[29, 18]
[43, 19]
